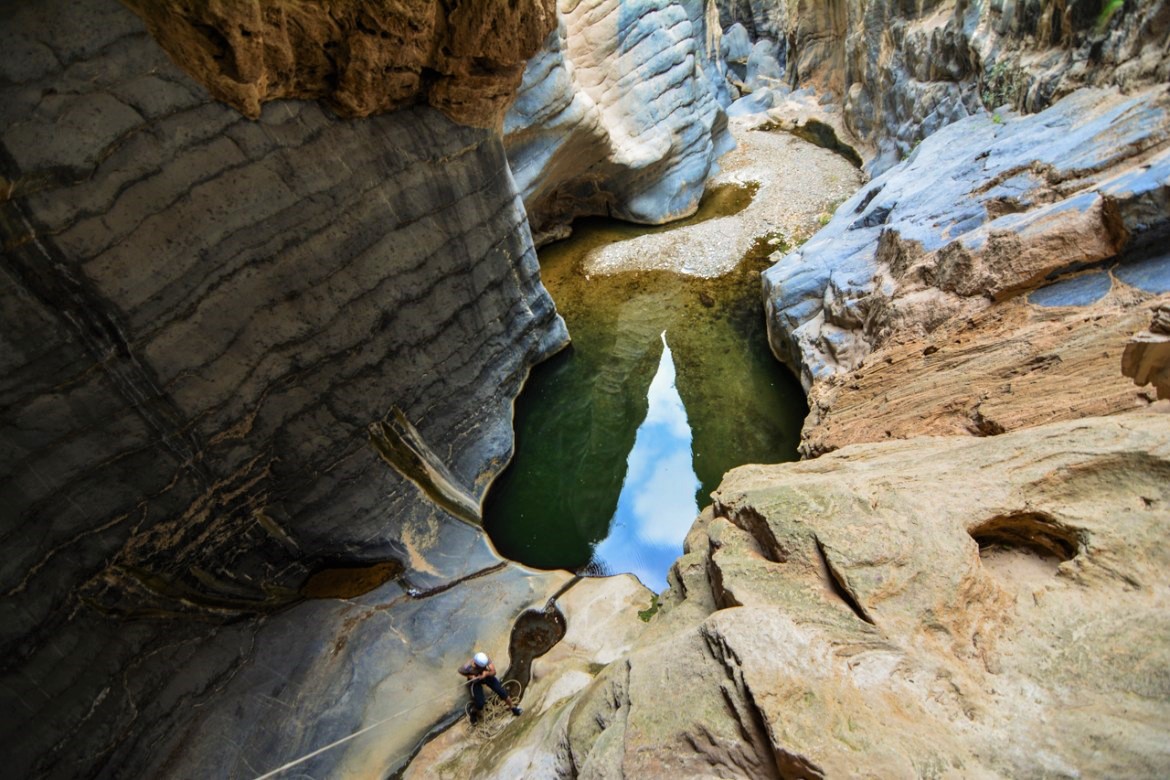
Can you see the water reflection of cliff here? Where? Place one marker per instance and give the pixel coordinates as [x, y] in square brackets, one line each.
[657, 502]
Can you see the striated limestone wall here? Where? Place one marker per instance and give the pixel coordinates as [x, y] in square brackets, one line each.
[621, 114]
[202, 317]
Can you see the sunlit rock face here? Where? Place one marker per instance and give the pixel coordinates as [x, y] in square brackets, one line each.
[206, 319]
[362, 57]
[867, 613]
[621, 114]
[988, 282]
[901, 71]
[1146, 359]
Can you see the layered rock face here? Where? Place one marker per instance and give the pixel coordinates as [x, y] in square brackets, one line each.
[868, 614]
[362, 57]
[928, 304]
[901, 71]
[621, 114]
[207, 321]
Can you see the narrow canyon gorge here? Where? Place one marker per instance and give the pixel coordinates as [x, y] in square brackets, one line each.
[272, 292]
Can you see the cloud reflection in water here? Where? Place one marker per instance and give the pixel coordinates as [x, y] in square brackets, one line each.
[657, 504]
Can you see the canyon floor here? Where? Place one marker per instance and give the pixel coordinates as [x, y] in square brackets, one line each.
[795, 187]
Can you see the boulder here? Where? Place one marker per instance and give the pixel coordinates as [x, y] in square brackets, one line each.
[737, 46]
[930, 294]
[757, 102]
[1146, 359]
[621, 114]
[763, 66]
[257, 375]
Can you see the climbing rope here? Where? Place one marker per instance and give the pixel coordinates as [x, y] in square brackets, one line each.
[492, 724]
[341, 741]
[495, 714]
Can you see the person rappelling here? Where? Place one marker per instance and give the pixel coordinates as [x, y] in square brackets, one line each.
[480, 671]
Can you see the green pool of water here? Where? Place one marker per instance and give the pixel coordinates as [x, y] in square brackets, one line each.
[621, 438]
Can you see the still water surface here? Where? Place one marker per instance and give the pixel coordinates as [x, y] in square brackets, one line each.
[621, 438]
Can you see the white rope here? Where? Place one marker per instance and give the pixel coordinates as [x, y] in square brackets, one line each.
[332, 745]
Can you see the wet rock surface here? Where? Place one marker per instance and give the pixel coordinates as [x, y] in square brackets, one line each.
[202, 317]
[934, 294]
[621, 114]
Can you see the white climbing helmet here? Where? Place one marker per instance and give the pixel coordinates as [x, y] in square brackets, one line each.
[481, 660]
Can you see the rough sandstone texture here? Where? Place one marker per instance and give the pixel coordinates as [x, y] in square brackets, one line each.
[866, 614]
[927, 304]
[1146, 359]
[362, 57]
[207, 322]
[621, 114]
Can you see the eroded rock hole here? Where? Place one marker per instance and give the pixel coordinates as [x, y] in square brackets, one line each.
[1030, 531]
[534, 633]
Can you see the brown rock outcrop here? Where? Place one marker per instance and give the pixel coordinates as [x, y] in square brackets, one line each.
[362, 57]
[1146, 359]
[877, 612]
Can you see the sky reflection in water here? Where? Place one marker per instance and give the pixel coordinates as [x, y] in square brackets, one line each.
[657, 503]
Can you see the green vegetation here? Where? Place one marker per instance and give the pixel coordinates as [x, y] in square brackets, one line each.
[1006, 83]
[827, 215]
[646, 614]
[1111, 7]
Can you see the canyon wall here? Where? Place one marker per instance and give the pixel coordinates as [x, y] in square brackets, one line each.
[942, 606]
[900, 71]
[985, 602]
[989, 282]
[621, 114]
[247, 362]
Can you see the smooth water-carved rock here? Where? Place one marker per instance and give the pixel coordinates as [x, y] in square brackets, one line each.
[910, 300]
[202, 316]
[849, 616]
[763, 67]
[361, 57]
[621, 115]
